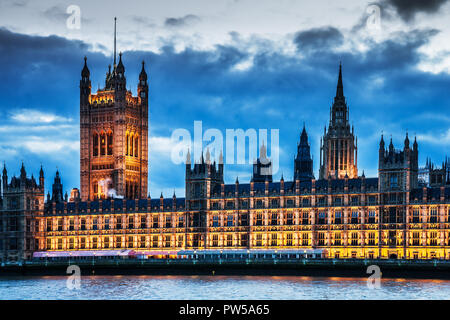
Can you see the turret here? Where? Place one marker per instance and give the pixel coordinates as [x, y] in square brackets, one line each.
[143, 86]
[57, 189]
[85, 84]
[23, 173]
[41, 178]
[120, 81]
[303, 163]
[5, 177]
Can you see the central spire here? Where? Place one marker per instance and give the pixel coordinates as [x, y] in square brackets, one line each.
[340, 86]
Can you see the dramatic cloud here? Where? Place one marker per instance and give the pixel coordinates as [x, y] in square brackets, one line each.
[407, 9]
[325, 38]
[189, 19]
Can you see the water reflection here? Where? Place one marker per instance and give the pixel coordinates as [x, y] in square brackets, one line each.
[220, 287]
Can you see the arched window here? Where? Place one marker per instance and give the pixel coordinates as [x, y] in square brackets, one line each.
[136, 146]
[127, 143]
[110, 143]
[102, 144]
[95, 145]
[131, 145]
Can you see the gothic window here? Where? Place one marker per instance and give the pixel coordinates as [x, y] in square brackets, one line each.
[131, 145]
[102, 144]
[110, 143]
[127, 143]
[136, 146]
[95, 145]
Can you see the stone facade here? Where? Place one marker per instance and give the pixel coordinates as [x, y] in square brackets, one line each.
[113, 137]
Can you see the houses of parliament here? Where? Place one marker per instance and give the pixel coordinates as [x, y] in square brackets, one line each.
[404, 213]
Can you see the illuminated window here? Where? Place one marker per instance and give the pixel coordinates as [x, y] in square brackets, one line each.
[127, 143]
[229, 240]
[102, 144]
[274, 219]
[259, 219]
[289, 239]
[130, 242]
[131, 145]
[215, 240]
[274, 240]
[110, 143]
[136, 146]
[433, 215]
[289, 220]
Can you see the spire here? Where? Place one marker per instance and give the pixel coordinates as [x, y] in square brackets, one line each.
[85, 72]
[188, 157]
[23, 173]
[221, 157]
[208, 156]
[120, 68]
[340, 87]
[115, 23]
[4, 169]
[406, 141]
[391, 146]
[41, 172]
[382, 143]
[143, 74]
[304, 136]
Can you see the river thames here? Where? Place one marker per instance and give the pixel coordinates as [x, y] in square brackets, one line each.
[219, 287]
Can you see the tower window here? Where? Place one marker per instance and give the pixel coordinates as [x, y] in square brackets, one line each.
[110, 143]
[127, 142]
[102, 144]
[95, 145]
[131, 146]
[136, 146]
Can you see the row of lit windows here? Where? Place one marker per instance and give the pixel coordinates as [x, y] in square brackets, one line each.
[117, 242]
[114, 223]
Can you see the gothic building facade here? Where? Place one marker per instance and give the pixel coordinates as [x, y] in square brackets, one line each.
[114, 136]
[343, 214]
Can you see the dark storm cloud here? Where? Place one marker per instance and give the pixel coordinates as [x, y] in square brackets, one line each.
[55, 13]
[319, 38]
[182, 21]
[407, 9]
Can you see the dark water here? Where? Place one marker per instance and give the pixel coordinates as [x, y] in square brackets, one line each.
[219, 287]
